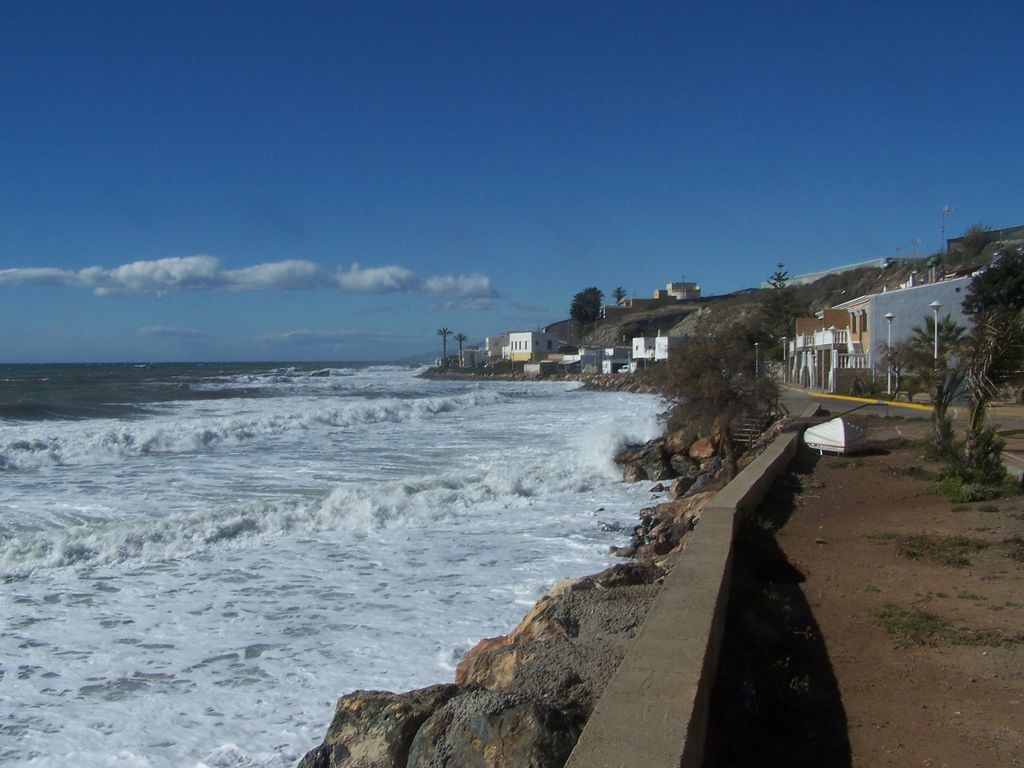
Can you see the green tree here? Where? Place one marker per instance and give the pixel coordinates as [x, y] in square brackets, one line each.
[780, 309]
[444, 333]
[461, 338]
[995, 357]
[943, 377]
[974, 239]
[713, 383]
[897, 358]
[1000, 287]
[619, 294]
[586, 305]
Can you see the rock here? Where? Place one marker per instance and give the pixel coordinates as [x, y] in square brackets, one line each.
[679, 440]
[545, 620]
[493, 666]
[374, 729]
[466, 670]
[701, 449]
[528, 734]
[627, 551]
[633, 473]
[629, 454]
[645, 553]
[656, 468]
[680, 486]
[655, 461]
[628, 575]
[659, 488]
[683, 466]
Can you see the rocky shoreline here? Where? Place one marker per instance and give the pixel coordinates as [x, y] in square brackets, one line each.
[523, 698]
[639, 382]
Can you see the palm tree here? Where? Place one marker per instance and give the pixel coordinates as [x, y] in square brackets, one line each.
[461, 337]
[444, 333]
[994, 358]
[943, 376]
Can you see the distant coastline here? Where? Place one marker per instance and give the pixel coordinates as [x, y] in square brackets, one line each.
[640, 382]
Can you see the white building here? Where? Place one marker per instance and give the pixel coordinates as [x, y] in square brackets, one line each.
[615, 359]
[530, 346]
[644, 347]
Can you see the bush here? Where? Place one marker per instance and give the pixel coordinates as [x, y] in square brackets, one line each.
[974, 240]
[943, 446]
[955, 489]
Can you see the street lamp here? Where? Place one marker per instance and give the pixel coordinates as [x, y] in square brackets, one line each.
[888, 379]
[757, 362]
[785, 359]
[936, 306]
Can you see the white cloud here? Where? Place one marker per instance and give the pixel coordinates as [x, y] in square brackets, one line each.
[170, 332]
[475, 305]
[39, 276]
[377, 280]
[475, 286]
[280, 275]
[205, 273]
[178, 273]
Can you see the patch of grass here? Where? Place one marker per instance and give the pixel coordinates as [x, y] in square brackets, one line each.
[913, 627]
[939, 550]
[961, 508]
[1016, 548]
[971, 596]
[955, 489]
[846, 464]
[872, 588]
[989, 508]
[915, 471]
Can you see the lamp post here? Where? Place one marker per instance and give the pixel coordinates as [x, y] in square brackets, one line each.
[757, 361]
[936, 306]
[946, 210]
[888, 353]
[785, 359]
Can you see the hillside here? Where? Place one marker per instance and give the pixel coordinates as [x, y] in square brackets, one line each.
[708, 316]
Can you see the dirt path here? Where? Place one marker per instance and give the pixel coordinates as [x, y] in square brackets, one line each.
[874, 623]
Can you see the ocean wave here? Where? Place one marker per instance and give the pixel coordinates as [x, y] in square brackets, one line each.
[351, 508]
[102, 442]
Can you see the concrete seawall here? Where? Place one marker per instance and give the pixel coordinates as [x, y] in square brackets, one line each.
[654, 710]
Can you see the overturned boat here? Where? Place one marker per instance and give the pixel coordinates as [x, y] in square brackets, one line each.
[836, 436]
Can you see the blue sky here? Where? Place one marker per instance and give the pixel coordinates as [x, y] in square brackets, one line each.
[335, 181]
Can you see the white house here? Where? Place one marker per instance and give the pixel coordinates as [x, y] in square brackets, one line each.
[666, 345]
[643, 347]
[530, 346]
[614, 359]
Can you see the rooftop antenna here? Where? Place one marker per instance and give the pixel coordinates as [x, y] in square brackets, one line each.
[946, 210]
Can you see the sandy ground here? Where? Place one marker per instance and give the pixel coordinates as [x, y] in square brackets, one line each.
[872, 622]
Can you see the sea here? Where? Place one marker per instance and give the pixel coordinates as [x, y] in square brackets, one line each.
[196, 560]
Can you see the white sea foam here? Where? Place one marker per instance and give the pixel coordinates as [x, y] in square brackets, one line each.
[204, 602]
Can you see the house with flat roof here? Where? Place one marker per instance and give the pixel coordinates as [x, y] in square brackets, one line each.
[845, 345]
[530, 346]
